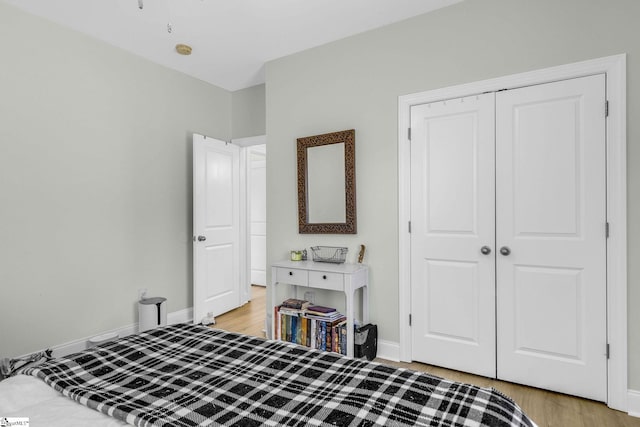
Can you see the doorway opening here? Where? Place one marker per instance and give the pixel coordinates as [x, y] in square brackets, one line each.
[254, 154]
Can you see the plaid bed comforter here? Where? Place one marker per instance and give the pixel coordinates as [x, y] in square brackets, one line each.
[190, 375]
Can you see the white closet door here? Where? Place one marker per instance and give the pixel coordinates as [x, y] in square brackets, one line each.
[452, 218]
[551, 215]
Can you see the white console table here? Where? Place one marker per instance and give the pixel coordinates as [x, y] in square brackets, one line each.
[345, 278]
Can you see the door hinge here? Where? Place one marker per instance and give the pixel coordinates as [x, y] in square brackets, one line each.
[409, 227]
[606, 227]
[608, 351]
[409, 319]
[606, 108]
[409, 133]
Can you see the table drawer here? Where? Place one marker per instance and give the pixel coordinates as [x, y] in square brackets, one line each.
[292, 276]
[323, 280]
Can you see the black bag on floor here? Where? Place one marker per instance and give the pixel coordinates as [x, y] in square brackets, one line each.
[365, 341]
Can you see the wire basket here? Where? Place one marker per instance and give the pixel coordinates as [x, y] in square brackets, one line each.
[333, 254]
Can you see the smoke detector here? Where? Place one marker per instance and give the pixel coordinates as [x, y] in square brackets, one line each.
[183, 49]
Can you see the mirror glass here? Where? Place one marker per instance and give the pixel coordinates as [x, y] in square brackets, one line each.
[326, 183]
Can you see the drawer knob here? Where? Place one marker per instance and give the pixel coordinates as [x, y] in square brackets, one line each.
[291, 273]
[324, 277]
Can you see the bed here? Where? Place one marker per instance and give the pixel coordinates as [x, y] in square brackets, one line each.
[191, 375]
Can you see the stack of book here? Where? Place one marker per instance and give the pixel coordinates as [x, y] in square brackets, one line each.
[314, 326]
[295, 304]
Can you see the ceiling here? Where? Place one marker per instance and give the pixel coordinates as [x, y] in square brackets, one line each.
[231, 39]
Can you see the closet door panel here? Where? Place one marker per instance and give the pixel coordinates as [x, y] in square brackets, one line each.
[452, 217]
[551, 215]
[545, 163]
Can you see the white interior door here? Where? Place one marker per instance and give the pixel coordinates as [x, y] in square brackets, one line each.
[551, 215]
[452, 220]
[258, 213]
[217, 245]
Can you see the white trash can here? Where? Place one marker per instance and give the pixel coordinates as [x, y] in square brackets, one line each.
[152, 312]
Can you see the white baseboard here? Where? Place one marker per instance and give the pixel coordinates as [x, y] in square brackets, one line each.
[181, 316]
[82, 343]
[389, 350]
[633, 403]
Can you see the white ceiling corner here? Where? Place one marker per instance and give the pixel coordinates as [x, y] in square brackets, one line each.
[231, 39]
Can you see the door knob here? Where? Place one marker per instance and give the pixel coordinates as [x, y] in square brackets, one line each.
[486, 250]
[201, 238]
[505, 250]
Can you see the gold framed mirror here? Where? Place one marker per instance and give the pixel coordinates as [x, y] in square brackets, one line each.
[327, 183]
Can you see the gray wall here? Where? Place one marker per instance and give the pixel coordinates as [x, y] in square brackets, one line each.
[95, 182]
[355, 83]
[248, 112]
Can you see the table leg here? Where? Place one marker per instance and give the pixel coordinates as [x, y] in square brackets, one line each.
[350, 321]
[272, 330]
[365, 305]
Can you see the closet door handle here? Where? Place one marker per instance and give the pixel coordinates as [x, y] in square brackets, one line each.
[505, 250]
[485, 250]
[201, 238]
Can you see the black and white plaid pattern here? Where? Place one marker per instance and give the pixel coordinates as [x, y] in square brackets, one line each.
[190, 375]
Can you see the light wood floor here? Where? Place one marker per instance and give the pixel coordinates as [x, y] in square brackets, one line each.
[546, 408]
